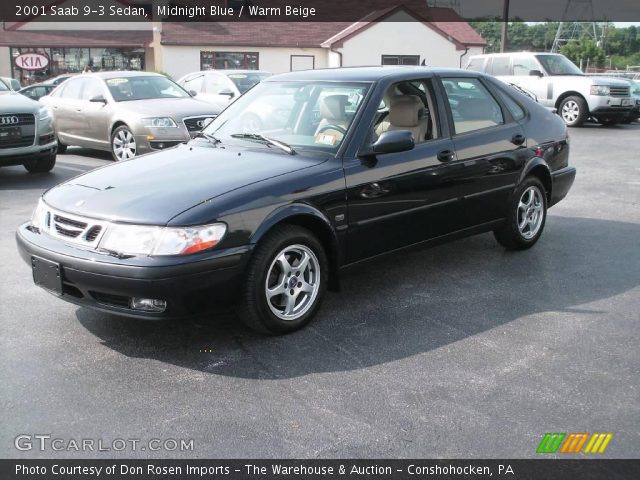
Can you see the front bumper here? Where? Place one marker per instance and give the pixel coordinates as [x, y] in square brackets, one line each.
[190, 285]
[562, 180]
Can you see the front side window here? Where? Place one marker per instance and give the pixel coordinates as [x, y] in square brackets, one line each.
[144, 88]
[92, 89]
[307, 115]
[472, 106]
[194, 83]
[72, 89]
[558, 65]
[522, 66]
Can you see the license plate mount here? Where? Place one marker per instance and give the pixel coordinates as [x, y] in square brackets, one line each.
[10, 134]
[47, 274]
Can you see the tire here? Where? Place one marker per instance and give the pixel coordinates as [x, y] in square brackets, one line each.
[274, 265]
[574, 111]
[62, 148]
[123, 144]
[526, 218]
[42, 165]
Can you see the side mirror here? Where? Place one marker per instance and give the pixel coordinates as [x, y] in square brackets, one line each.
[392, 141]
[193, 93]
[98, 99]
[536, 73]
[228, 93]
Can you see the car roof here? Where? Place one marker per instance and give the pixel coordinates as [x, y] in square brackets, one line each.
[228, 72]
[366, 74]
[120, 74]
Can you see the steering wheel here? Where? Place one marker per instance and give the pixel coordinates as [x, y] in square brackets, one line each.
[330, 126]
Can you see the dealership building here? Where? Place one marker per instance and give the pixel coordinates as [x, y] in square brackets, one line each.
[394, 36]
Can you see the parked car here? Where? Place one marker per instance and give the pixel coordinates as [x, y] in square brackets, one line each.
[221, 87]
[634, 115]
[36, 91]
[4, 88]
[371, 160]
[27, 136]
[58, 79]
[12, 83]
[559, 84]
[126, 113]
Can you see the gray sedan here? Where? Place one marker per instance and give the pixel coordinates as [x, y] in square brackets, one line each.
[126, 113]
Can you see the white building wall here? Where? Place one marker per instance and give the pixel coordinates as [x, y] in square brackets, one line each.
[5, 62]
[400, 38]
[180, 60]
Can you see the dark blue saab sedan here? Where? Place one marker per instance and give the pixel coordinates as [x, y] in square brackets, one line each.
[345, 164]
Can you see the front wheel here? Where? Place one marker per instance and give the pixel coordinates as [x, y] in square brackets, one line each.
[574, 111]
[526, 218]
[286, 280]
[123, 144]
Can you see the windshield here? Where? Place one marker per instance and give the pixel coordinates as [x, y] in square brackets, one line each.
[304, 114]
[144, 88]
[244, 81]
[558, 65]
[3, 87]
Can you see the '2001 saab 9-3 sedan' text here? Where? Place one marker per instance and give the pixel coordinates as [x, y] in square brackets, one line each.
[367, 161]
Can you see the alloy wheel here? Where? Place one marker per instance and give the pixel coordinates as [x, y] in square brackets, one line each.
[570, 111]
[530, 212]
[124, 145]
[293, 282]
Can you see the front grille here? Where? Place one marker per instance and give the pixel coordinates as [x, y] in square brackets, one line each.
[195, 124]
[9, 119]
[17, 130]
[619, 91]
[81, 231]
[93, 233]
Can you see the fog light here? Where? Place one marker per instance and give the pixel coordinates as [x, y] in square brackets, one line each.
[148, 304]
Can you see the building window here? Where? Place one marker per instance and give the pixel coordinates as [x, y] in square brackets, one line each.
[228, 60]
[302, 62]
[74, 60]
[400, 59]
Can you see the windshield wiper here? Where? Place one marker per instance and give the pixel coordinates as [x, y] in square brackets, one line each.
[207, 136]
[266, 141]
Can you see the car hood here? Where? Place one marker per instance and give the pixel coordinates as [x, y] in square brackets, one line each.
[154, 188]
[160, 107]
[17, 103]
[614, 82]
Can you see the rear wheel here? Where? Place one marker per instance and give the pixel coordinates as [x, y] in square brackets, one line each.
[41, 165]
[574, 111]
[286, 280]
[123, 144]
[526, 218]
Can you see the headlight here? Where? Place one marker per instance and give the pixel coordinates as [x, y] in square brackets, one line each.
[44, 113]
[141, 240]
[159, 122]
[600, 90]
[39, 217]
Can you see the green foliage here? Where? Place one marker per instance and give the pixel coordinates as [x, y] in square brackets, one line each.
[585, 52]
[621, 47]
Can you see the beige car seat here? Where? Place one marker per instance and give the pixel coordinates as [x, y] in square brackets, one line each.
[406, 112]
[332, 112]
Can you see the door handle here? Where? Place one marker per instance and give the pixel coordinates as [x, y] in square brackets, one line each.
[518, 139]
[446, 155]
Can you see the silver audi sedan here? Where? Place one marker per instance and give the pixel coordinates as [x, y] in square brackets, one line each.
[126, 113]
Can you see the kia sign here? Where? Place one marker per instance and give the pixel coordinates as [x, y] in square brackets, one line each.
[32, 61]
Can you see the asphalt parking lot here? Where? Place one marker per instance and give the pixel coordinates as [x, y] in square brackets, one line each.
[462, 350]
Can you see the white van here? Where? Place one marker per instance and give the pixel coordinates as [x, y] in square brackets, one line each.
[559, 84]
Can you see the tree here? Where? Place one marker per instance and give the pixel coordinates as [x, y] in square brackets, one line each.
[585, 52]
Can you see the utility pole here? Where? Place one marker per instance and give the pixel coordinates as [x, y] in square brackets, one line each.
[505, 26]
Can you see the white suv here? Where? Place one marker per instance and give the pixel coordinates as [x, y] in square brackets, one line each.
[559, 84]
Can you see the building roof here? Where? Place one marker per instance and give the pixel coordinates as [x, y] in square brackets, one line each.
[75, 38]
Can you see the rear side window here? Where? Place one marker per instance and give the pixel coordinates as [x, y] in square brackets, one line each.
[472, 106]
[500, 66]
[476, 64]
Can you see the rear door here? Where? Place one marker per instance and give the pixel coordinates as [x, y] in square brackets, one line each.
[490, 147]
[95, 115]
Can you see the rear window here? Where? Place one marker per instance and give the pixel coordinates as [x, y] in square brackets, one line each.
[476, 64]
